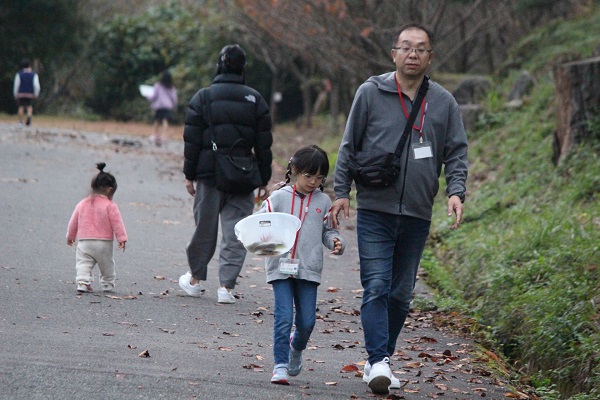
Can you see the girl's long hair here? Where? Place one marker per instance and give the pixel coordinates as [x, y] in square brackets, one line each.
[310, 160]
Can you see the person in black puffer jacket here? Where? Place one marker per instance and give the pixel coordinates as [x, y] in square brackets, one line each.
[236, 111]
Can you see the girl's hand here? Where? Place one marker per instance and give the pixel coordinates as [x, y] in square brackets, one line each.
[122, 245]
[337, 246]
[70, 242]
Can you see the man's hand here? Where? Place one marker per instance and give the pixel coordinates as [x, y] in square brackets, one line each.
[189, 185]
[455, 206]
[339, 205]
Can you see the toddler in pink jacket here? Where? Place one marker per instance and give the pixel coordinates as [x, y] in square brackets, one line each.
[95, 223]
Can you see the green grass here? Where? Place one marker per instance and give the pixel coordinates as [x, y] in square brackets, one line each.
[526, 260]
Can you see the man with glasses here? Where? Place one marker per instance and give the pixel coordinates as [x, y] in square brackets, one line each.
[393, 222]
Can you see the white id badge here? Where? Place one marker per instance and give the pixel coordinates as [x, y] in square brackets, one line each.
[422, 150]
[289, 266]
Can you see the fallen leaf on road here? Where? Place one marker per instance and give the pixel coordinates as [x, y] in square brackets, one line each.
[350, 368]
[144, 354]
[331, 383]
[254, 367]
[160, 278]
[518, 395]
[414, 365]
[108, 334]
[332, 289]
[130, 346]
[223, 348]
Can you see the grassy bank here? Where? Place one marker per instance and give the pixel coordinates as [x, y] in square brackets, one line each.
[526, 260]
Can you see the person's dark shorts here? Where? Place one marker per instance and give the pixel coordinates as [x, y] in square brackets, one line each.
[24, 101]
[163, 113]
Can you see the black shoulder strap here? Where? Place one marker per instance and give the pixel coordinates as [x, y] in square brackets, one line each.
[208, 116]
[413, 114]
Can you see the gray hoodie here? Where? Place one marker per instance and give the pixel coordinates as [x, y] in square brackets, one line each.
[315, 232]
[378, 118]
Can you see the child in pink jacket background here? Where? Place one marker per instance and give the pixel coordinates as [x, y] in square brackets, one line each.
[94, 224]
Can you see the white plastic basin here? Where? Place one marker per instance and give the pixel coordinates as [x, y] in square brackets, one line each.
[146, 90]
[268, 234]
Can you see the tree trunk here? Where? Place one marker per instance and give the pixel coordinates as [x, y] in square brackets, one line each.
[334, 106]
[274, 104]
[577, 88]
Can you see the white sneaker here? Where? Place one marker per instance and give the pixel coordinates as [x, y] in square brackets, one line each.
[280, 375]
[295, 364]
[224, 296]
[84, 287]
[379, 377]
[191, 290]
[395, 381]
[108, 287]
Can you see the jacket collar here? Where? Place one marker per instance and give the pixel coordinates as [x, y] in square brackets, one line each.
[228, 78]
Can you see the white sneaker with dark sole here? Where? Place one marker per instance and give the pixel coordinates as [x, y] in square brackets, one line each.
[380, 377]
[395, 381]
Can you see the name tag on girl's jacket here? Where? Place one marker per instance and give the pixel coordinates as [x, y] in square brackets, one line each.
[289, 266]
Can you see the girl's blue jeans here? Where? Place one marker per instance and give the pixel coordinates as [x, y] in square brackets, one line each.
[390, 249]
[289, 294]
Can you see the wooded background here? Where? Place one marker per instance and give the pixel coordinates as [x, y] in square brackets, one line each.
[91, 55]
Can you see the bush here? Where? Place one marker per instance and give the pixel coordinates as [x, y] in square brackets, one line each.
[131, 50]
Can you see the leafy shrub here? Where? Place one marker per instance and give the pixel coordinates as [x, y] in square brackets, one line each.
[131, 50]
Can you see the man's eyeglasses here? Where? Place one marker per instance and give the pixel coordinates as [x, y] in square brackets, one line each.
[321, 178]
[407, 50]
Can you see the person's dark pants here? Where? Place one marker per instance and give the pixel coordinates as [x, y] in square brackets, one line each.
[209, 205]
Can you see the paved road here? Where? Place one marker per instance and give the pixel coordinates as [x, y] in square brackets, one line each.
[56, 344]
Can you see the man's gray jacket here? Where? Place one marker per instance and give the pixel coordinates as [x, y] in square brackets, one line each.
[378, 118]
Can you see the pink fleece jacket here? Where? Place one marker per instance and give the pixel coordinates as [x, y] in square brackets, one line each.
[96, 217]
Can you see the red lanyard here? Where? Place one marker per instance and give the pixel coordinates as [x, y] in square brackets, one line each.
[423, 110]
[302, 215]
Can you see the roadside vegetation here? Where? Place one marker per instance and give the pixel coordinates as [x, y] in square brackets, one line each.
[526, 260]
